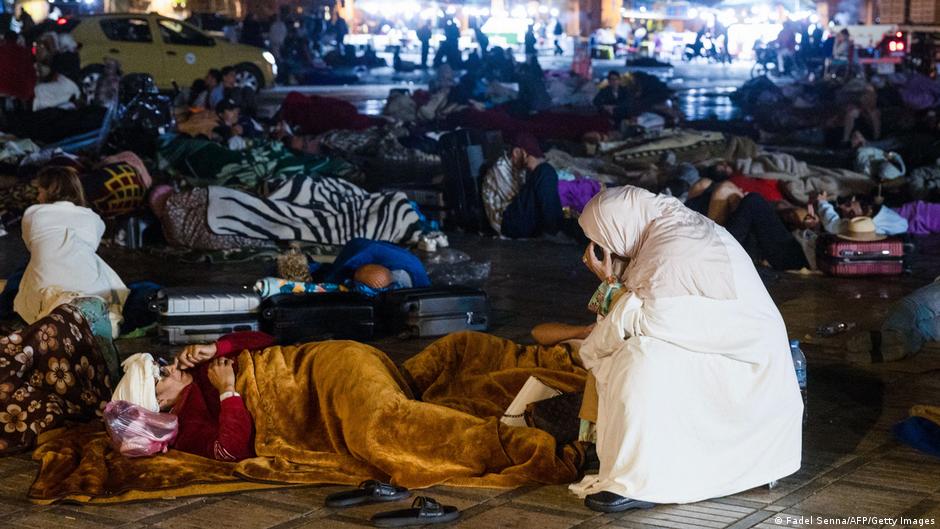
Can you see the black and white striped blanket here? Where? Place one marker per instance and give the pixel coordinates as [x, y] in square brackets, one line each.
[314, 209]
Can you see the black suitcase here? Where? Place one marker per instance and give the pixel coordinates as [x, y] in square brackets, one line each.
[294, 318]
[430, 200]
[204, 314]
[465, 154]
[435, 311]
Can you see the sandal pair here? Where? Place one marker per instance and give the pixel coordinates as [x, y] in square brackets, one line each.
[423, 511]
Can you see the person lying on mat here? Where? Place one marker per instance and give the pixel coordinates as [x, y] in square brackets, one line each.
[199, 388]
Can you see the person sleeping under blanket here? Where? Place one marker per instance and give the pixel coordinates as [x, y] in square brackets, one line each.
[335, 412]
[377, 264]
[364, 266]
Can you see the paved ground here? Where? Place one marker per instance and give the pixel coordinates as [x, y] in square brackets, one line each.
[702, 89]
[851, 467]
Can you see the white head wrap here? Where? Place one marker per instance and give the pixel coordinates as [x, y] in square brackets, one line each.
[139, 383]
[673, 251]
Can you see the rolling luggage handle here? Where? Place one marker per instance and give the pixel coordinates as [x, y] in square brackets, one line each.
[869, 255]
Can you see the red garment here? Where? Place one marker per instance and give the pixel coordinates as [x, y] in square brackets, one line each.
[766, 188]
[317, 114]
[19, 76]
[210, 428]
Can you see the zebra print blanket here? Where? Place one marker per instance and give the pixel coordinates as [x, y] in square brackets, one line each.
[314, 209]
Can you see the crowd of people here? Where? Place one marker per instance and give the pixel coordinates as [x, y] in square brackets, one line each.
[676, 222]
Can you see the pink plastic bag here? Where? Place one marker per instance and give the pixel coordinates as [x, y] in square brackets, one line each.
[138, 432]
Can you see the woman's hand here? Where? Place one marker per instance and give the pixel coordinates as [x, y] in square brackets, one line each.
[193, 355]
[602, 268]
[222, 374]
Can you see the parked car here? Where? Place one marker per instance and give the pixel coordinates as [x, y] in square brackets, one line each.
[212, 24]
[169, 50]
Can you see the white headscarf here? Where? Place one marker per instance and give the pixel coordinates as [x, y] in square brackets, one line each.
[673, 251]
[139, 383]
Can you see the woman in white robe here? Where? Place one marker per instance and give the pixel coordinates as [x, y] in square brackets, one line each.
[62, 237]
[697, 393]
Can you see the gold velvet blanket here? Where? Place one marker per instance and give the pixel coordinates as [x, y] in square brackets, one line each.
[341, 412]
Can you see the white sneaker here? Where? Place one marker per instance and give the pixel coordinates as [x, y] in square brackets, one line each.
[427, 244]
[440, 239]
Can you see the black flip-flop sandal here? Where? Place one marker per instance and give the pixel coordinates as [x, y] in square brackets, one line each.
[423, 511]
[369, 491]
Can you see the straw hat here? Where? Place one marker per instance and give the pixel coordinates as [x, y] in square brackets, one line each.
[860, 229]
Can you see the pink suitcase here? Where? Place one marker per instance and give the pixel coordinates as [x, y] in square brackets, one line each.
[841, 257]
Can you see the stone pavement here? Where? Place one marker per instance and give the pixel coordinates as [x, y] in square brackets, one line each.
[852, 466]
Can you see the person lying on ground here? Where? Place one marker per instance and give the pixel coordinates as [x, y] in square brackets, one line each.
[377, 264]
[685, 330]
[720, 188]
[62, 235]
[833, 218]
[199, 388]
[911, 323]
[201, 89]
[520, 192]
[53, 373]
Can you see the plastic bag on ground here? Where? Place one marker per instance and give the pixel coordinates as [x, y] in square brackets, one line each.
[465, 273]
[138, 432]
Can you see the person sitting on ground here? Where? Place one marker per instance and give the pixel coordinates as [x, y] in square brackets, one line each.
[229, 89]
[57, 92]
[685, 330]
[613, 99]
[202, 89]
[520, 192]
[62, 235]
[234, 128]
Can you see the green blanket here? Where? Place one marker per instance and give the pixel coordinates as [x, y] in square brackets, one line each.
[259, 168]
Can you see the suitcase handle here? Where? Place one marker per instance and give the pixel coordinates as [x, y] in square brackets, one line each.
[856, 253]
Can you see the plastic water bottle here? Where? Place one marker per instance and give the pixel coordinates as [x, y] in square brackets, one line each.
[799, 365]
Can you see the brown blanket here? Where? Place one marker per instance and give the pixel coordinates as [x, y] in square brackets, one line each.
[341, 412]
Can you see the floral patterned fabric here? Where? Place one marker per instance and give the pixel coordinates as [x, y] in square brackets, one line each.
[50, 373]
